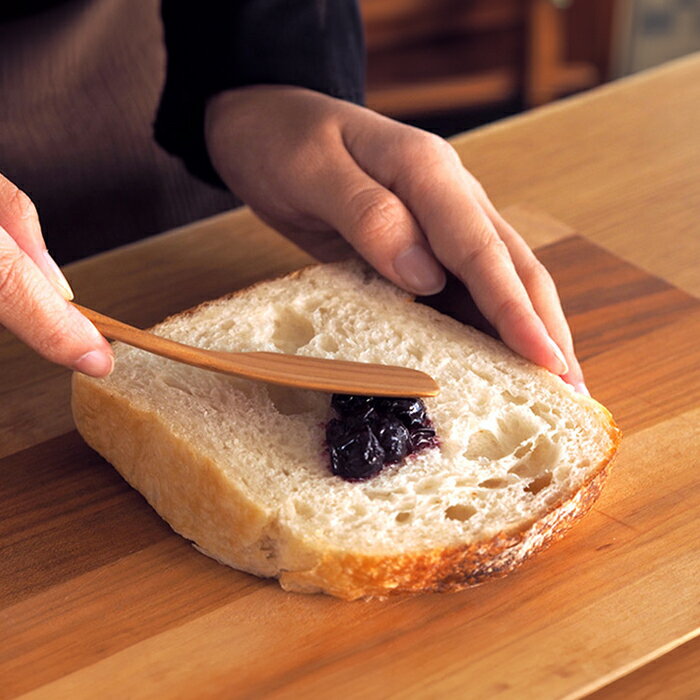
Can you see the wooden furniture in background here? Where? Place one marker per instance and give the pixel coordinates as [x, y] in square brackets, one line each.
[98, 598]
[443, 55]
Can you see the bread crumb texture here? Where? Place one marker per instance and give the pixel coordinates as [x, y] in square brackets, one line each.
[241, 468]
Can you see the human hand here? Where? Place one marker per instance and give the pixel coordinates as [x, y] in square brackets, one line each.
[34, 293]
[306, 162]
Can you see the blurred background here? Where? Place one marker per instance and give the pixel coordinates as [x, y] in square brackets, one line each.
[86, 79]
[451, 65]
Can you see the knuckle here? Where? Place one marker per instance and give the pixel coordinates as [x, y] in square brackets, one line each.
[376, 213]
[535, 274]
[51, 340]
[485, 243]
[477, 188]
[444, 149]
[508, 312]
[431, 148]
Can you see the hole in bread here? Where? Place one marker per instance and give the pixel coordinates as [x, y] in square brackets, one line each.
[494, 483]
[417, 352]
[483, 375]
[403, 517]
[427, 485]
[522, 450]
[292, 330]
[484, 444]
[311, 304]
[303, 509]
[543, 457]
[291, 402]
[379, 495]
[242, 386]
[539, 483]
[328, 344]
[545, 413]
[513, 430]
[180, 385]
[513, 398]
[460, 512]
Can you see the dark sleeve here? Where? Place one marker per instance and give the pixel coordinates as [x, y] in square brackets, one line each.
[215, 45]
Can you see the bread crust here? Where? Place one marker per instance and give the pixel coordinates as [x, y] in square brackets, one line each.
[201, 504]
[451, 569]
[214, 510]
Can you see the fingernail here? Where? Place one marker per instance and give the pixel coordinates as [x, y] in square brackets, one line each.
[582, 389]
[56, 277]
[563, 367]
[96, 363]
[419, 271]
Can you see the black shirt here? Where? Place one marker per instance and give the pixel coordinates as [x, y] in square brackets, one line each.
[317, 44]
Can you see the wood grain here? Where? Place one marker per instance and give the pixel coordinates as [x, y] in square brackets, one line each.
[620, 163]
[98, 596]
[62, 493]
[80, 545]
[608, 301]
[440, 95]
[431, 55]
[213, 637]
[674, 675]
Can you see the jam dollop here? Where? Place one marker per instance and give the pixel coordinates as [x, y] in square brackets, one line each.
[371, 432]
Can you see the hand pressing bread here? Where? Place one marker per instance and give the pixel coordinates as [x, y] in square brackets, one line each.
[310, 165]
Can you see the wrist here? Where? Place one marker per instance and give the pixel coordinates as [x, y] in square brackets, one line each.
[222, 115]
[234, 112]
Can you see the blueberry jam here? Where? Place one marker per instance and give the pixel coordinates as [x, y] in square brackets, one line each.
[371, 432]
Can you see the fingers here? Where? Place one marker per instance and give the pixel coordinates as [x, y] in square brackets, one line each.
[543, 294]
[19, 218]
[447, 221]
[32, 309]
[513, 290]
[375, 222]
[466, 241]
[448, 204]
[30, 306]
[400, 196]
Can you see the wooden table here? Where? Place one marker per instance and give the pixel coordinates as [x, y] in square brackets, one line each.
[98, 598]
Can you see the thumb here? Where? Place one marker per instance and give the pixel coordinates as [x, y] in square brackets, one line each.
[33, 309]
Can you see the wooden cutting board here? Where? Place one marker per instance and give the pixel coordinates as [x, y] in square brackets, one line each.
[98, 598]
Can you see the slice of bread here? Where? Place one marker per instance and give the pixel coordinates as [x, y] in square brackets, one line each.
[242, 470]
